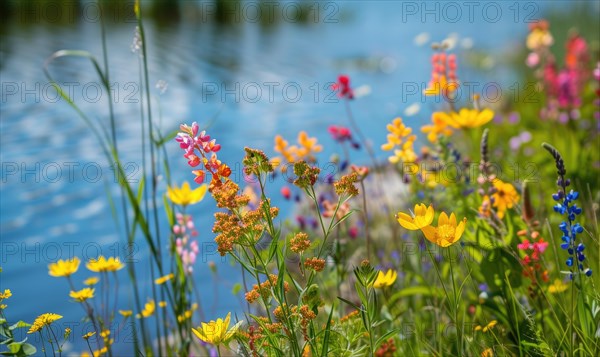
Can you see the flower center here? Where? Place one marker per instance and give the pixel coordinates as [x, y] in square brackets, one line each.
[446, 232]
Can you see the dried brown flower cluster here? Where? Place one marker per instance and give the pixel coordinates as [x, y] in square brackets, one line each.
[264, 289]
[345, 185]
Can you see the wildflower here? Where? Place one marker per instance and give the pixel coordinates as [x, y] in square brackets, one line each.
[93, 280]
[443, 75]
[103, 264]
[162, 304]
[447, 232]
[438, 127]
[148, 311]
[82, 295]
[88, 335]
[340, 133]
[286, 192]
[558, 287]
[43, 320]
[125, 313]
[64, 268]
[315, 264]
[361, 171]
[351, 315]
[387, 348]
[487, 327]
[184, 196]
[342, 86]
[345, 185]
[216, 332]
[308, 146]
[539, 36]
[488, 352]
[330, 208]
[466, 118]
[422, 217]
[6, 294]
[282, 147]
[397, 131]
[485, 209]
[565, 206]
[299, 243]
[104, 334]
[384, 280]
[306, 175]
[505, 197]
[164, 279]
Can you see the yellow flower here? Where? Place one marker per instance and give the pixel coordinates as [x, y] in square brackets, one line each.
[185, 195]
[164, 279]
[466, 118]
[487, 327]
[162, 303]
[557, 287]
[149, 309]
[308, 146]
[447, 232]
[539, 38]
[88, 335]
[397, 131]
[282, 147]
[441, 86]
[216, 332]
[6, 294]
[82, 295]
[93, 280]
[505, 197]
[64, 267]
[488, 352]
[125, 313]
[423, 216]
[406, 153]
[103, 264]
[386, 279]
[438, 127]
[43, 320]
[101, 351]
[486, 205]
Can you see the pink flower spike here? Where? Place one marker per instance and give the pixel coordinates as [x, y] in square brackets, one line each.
[199, 176]
[195, 128]
[216, 148]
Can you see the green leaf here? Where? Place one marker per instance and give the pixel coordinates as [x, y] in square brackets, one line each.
[349, 303]
[325, 348]
[385, 337]
[499, 263]
[19, 324]
[28, 349]
[236, 288]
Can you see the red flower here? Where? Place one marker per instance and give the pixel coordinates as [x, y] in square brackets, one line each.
[343, 87]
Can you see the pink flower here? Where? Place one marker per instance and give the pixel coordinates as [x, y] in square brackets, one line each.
[343, 87]
[339, 133]
[525, 245]
[286, 192]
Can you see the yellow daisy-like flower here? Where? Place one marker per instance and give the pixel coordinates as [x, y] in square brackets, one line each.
[164, 279]
[93, 280]
[6, 294]
[64, 267]
[423, 216]
[505, 197]
[43, 320]
[148, 311]
[82, 295]
[384, 280]
[184, 195]
[466, 118]
[216, 332]
[439, 127]
[488, 352]
[447, 232]
[558, 287]
[103, 264]
[487, 327]
[125, 313]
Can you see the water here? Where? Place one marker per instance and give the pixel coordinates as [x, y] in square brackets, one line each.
[53, 201]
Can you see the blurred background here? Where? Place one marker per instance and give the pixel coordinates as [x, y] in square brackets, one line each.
[249, 70]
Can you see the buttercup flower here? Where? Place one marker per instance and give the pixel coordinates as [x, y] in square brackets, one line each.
[125, 313]
[6, 294]
[447, 232]
[93, 280]
[43, 320]
[505, 197]
[64, 268]
[88, 335]
[103, 264]
[216, 332]
[487, 327]
[466, 118]
[184, 195]
[164, 279]
[384, 280]
[558, 287]
[82, 295]
[423, 216]
[149, 309]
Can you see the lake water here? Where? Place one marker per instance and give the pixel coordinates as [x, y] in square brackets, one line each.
[255, 80]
